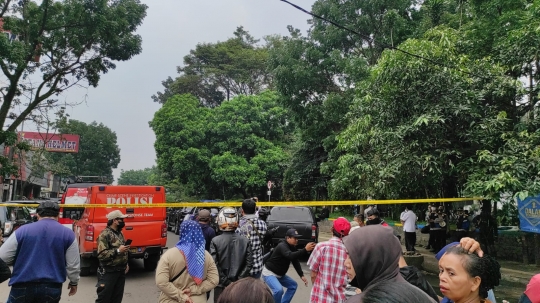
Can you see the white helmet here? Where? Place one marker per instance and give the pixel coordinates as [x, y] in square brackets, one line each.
[227, 219]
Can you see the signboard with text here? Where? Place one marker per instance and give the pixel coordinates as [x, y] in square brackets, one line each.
[63, 143]
[529, 214]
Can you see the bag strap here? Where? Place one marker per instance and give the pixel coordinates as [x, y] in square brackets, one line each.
[178, 275]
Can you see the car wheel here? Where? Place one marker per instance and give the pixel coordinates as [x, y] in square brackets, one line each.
[151, 262]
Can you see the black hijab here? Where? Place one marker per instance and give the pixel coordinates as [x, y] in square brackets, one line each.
[374, 252]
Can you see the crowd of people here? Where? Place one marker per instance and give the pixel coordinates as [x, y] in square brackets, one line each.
[362, 262]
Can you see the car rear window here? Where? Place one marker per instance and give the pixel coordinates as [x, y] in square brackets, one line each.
[291, 214]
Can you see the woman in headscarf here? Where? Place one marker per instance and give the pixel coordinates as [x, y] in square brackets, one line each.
[187, 272]
[373, 257]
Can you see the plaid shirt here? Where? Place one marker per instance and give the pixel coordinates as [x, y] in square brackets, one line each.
[248, 227]
[328, 260]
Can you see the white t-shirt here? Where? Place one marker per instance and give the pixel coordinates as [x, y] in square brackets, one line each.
[409, 219]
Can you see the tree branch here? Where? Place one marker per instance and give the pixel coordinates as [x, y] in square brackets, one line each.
[5, 8]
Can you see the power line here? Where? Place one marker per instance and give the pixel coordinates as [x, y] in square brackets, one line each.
[383, 44]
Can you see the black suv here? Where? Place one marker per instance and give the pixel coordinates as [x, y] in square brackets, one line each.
[298, 217]
[13, 217]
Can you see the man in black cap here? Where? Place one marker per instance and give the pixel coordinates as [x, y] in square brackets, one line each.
[49, 244]
[209, 233]
[275, 270]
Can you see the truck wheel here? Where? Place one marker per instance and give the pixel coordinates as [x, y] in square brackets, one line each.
[176, 228]
[151, 263]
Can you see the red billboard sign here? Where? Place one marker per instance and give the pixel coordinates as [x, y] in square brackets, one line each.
[62, 143]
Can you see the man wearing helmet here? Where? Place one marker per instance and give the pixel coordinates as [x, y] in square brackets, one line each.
[231, 251]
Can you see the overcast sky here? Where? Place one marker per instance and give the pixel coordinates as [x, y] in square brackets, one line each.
[122, 101]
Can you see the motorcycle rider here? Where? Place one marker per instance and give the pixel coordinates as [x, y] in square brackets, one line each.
[231, 252]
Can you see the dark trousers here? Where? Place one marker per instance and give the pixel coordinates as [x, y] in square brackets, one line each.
[410, 241]
[35, 293]
[431, 241]
[110, 286]
[461, 234]
[439, 239]
[217, 292]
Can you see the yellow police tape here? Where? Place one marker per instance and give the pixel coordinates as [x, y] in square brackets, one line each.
[260, 203]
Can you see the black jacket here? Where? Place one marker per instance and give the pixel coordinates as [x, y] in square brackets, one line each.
[232, 255]
[416, 278]
[282, 257]
[5, 272]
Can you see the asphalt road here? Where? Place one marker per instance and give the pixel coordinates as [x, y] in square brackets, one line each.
[141, 287]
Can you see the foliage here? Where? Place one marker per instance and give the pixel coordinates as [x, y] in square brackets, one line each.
[214, 72]
[230, 150]
[98, 149]
[135, 176]
[61, 44]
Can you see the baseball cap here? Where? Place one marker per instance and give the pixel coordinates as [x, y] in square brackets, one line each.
[441, 252]
[115, 214]
[292, 233]
[342, 226]
[204, 215]
[48, 208]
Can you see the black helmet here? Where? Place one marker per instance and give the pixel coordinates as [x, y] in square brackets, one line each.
[263, 212]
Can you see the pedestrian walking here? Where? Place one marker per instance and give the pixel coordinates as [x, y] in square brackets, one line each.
[231, 252]
[207, 230]
[408, 219]
[186, 272]
[326, 263]
[275, 270]
[254, 229]
[113, 260]
[42, 253]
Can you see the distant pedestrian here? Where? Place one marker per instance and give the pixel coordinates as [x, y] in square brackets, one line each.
[113, 260]
[408, 219]
[488, 231]
[42, 253]
[186, 272]
[360, 219]
[254, 229]
[325, 214]
[366, 211]
[462, 226]
[374, 218]
[275, 269]
[328, 273]
[207, 230]
[231, 252]
[246, 290]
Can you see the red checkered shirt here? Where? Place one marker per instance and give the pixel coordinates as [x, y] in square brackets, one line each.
[328, 260]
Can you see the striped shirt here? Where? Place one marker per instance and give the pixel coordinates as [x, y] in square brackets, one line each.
[254, 229]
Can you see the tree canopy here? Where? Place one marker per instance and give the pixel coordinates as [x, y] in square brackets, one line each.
[230, 150]
[136, 176]
[98, 152]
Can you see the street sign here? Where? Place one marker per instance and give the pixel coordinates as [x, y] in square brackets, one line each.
[269, 184]
[269, 193]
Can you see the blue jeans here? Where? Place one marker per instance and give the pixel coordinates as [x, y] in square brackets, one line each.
[276, 286]
[34, 292]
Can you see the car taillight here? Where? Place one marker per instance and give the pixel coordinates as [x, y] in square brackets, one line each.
[61, 214]
[313, 231]
[164, 229]
[89, 233]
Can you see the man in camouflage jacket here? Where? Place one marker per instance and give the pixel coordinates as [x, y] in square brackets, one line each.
[113, 258]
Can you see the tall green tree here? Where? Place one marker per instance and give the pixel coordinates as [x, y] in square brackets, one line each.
[98, 152]
[54, 45]
[231, 150]
[214, 72]
[136, 176]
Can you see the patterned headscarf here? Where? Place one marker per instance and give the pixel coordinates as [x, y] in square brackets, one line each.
[191, 245]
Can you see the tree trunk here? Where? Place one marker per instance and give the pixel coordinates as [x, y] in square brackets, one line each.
[524, 249]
